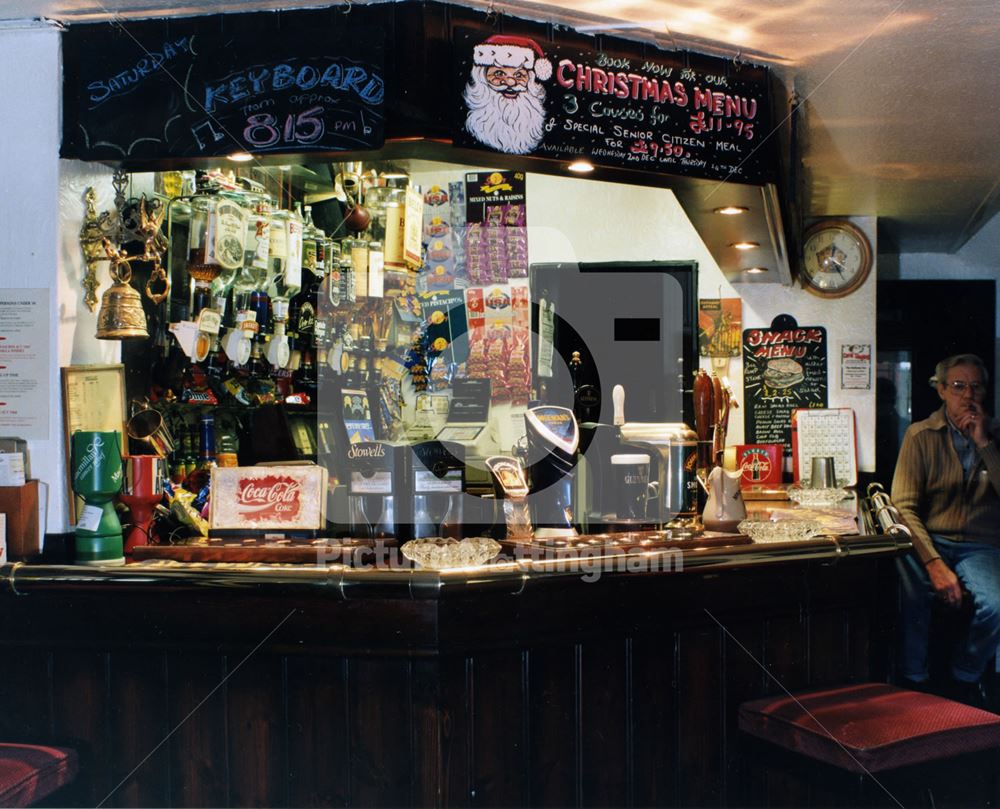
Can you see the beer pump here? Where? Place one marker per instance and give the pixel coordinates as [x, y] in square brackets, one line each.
[675, 446]
[553, 438]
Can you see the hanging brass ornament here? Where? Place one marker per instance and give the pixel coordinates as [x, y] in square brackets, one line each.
[120, 316]
[95, 228]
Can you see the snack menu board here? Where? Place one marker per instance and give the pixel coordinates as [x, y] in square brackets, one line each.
[784, 369]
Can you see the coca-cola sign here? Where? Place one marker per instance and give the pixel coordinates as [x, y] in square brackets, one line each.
[270, 497]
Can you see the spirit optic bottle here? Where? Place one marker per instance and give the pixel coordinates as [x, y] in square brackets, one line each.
[285, 277]
[216, 239]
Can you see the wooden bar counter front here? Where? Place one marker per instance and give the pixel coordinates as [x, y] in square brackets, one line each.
[614, 681]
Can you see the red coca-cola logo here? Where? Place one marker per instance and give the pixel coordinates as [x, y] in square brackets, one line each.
[271, 497]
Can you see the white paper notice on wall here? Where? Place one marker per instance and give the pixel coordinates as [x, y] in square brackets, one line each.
[3, 539]
[11, 469]
[825, 432]
[855, 366]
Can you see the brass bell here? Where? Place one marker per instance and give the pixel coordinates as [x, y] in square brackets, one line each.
[120, 316]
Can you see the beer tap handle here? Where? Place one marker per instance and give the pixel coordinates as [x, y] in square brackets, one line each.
[618, 400]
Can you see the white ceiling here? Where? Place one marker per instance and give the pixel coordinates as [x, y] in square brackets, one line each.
[899, 97]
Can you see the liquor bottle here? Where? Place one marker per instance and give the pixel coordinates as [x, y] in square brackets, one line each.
[257, 367]
[206, 444]
[313, 271]
[216, 239]
[305, 378]
[285, 276]
[215, 364]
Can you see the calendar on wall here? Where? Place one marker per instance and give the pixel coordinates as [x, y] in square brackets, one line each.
[826, 432]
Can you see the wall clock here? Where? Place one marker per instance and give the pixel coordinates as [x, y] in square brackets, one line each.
[836, 258]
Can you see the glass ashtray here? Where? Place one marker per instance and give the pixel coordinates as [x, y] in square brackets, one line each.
[816, 497]
[779, 530]
[441, 554]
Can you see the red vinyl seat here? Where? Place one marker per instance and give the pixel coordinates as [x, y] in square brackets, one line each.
[30, 772]
[870, 727]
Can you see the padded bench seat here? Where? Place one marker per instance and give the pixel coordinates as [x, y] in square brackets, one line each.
[30, 772]
[870, 727]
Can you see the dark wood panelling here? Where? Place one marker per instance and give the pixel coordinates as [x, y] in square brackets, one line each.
[196, 695]
[258, 757]
[620, 692]
[81, 702]
[139, 730]
[745, 679]
[605, 721]
[700, 717]
[381, 732]
[27, 687]
[654, 719]
[319, 740]
[499, 754]
[553, 732]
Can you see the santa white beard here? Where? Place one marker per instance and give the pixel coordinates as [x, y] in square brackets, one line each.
[513, 125]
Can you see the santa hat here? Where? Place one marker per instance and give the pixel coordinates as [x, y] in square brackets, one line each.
[511, 51]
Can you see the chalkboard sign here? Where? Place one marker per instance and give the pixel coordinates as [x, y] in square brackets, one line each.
[211, 86]
[526, 97]
[784, 368]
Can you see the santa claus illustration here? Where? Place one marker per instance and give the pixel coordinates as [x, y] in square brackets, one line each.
[505, 97]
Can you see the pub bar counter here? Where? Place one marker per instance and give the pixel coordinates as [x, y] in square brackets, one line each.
[515, 683]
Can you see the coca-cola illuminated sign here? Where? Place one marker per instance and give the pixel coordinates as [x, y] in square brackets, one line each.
[268, 497]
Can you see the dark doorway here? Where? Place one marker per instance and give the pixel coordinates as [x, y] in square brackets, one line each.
[920, 323]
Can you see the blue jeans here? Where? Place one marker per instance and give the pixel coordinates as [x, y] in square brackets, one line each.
[977, 566]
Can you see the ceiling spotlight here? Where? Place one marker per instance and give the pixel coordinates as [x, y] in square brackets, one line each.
[745, 245]
[240, 157]
[731, 210]
[581, 166]
[756, 270]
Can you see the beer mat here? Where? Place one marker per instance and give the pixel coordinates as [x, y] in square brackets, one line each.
[254, 550]
[831, 520]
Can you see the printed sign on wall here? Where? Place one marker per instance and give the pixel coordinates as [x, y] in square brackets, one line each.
[784, 368]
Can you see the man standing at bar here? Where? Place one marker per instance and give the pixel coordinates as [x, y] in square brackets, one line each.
[947, 488]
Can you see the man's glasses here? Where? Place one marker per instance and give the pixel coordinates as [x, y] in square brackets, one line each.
[960, 387]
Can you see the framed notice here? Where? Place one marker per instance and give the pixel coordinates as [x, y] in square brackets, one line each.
[784, 369]
[855, 366]
[93, 399]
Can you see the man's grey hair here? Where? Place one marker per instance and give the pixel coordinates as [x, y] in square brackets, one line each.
[942, 368]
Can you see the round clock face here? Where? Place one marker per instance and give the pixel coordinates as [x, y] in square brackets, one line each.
[836, 259]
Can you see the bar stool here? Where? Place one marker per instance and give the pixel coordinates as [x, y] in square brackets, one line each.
[870, 728]
[31, 772]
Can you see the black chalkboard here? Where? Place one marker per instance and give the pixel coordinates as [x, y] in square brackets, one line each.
[210, 86]
[784, 368]
[651, 114]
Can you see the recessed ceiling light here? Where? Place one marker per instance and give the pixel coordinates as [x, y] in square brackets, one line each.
[756, 270]
[240, 157]
[731, 210]
[745, 245]
[581, 166]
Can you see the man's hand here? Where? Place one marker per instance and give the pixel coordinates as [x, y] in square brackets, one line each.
[945, 583]
[972, 423]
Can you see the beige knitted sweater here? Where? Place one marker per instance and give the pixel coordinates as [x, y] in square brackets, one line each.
[930, 494]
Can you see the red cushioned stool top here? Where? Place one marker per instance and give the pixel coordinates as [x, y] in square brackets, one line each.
[871, 726]
[29, 772]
